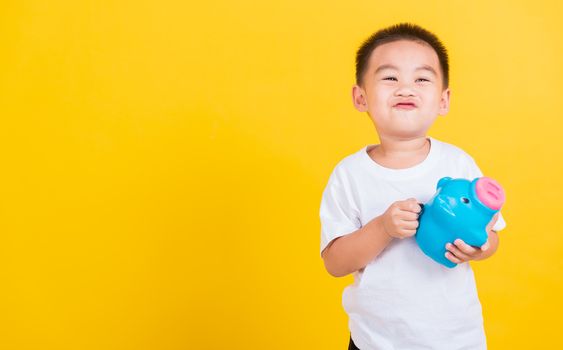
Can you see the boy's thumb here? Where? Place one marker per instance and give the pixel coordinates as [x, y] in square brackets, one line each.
[485, 246]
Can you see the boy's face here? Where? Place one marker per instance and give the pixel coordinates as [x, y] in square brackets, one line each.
[405, 72]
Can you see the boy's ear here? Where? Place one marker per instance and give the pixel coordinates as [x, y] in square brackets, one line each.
[359, 98]
[444, 102]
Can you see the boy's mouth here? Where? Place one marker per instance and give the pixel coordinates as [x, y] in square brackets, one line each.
[405, 105]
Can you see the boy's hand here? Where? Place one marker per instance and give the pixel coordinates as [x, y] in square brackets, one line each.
[461, 252]
[400, 220]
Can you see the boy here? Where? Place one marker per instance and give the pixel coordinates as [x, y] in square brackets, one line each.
[400, 298]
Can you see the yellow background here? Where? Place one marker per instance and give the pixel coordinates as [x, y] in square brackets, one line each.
[162, 165]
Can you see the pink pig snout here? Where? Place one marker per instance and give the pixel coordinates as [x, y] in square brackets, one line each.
[490, 193]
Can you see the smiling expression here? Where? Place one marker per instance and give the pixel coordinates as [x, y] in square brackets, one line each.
[402, 89]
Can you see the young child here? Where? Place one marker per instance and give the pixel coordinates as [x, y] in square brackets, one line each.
[400, 298]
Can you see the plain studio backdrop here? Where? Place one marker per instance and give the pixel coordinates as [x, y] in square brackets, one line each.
[163, 164]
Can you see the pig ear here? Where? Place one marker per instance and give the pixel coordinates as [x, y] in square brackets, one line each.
[443, 181]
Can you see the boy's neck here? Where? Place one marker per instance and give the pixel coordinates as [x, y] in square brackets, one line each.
[400, 154]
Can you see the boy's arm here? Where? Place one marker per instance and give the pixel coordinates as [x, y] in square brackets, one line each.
[354, 251]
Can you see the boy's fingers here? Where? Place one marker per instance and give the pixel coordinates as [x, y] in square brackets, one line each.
[493, 221]
[452, 258]
[464, 247]
[410, 225]
[409, 216]
[411, 205]
[415, 206]
[408, 233]
[458, 253]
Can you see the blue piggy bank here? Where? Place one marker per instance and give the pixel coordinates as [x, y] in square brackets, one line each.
[460, 208]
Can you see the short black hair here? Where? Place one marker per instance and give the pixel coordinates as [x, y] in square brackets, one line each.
[401, 31]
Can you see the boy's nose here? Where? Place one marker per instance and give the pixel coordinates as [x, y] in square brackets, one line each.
[404, 90]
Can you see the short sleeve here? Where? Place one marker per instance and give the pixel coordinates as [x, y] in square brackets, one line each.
[338, 212]
[473, 172]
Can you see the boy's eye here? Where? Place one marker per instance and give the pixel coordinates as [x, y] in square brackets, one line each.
[393, 78]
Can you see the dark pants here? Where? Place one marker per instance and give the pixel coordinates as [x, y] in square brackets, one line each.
[352, 346]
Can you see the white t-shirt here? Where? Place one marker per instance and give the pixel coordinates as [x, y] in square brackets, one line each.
[403, 299]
